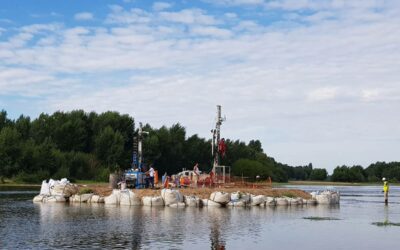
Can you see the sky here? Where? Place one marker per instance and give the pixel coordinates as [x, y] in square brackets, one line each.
[316, 81]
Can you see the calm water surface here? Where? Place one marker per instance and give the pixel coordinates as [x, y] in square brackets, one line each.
[25, 225]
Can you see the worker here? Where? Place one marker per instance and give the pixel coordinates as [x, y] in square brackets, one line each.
[385, 190]
[196, 174]
[151, 176]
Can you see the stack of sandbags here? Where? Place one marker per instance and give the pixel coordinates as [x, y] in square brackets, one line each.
[129, 198]
[153, 201]
[171, 197]
[62, 187]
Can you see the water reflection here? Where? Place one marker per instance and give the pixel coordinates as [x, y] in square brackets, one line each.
[53, 226]
[216, 220]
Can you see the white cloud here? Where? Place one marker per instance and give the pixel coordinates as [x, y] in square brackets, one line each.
[83, 16]
[322, 94]
[189, 16]
[158, 6]
[211, 31]
[236, 2]
[120, 15]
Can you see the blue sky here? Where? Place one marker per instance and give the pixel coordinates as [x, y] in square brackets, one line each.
[315, 80]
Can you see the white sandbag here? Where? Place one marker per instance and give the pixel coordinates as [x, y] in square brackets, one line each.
[66, 190]
[64, 181]
[54, 198]
[178, 205]
[311, 202]
[86, 197]
[152, 201]
[116, 192]
[220, 197]
[237, 203]
[129, 198]
[95, 198]
[210, 203]
[323, 198]
[295, 201]
[171, 196]
[282, 201]
[236, 196]
[45, 188]
[101, 199]
[313, 194]
[38, 198]
[192, 201]
[270, 201]
[335, 198]
[112, 199]
[256, 200]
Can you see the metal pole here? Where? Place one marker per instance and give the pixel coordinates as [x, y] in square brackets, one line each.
[140, 145]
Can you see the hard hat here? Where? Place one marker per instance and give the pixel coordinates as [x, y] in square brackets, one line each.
[383, 179]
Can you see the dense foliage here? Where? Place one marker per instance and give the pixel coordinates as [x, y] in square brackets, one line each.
[80, 145]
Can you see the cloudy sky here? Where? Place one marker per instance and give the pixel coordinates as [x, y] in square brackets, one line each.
[315, 80]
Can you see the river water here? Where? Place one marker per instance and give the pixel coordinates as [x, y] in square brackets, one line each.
[25, 225]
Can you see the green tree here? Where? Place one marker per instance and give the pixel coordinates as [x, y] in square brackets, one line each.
[10, 150]
[318, 174]
[110, 148]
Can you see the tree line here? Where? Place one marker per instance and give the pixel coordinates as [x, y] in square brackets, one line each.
[90, 146]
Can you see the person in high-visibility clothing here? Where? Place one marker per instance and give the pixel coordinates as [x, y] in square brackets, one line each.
[385, 190]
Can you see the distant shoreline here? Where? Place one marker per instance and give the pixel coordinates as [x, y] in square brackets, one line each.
[331, 183]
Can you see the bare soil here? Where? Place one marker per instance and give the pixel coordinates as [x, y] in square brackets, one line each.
[204, 192]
